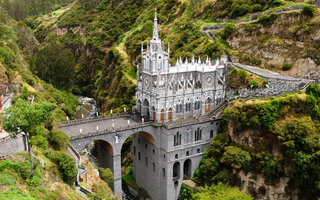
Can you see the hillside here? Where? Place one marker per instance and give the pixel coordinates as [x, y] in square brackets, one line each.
[293, 38]
[268, 147]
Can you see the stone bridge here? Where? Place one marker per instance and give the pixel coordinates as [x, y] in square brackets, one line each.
[112, 132]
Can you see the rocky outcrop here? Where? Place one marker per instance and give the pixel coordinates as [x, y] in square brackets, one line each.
[292, 38]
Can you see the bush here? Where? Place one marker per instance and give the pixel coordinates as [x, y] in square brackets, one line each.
[228, 30]
[39, 141]
[256, 8]
[267, 19]
[253, 83]
[59, 140]
[286, 67]
[308, 10]
[106, 175]
[67, 166]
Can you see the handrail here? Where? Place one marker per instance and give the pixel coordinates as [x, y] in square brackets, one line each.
[79, 166]
[100, 118]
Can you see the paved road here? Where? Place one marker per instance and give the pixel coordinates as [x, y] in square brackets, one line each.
[265, 73]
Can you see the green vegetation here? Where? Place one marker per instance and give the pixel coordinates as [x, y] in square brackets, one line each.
[239, 78]
[19, 10]
[308, 10]
[106, 175]
[289, 123]
[267, 19]
[221, 192]
[286, 66]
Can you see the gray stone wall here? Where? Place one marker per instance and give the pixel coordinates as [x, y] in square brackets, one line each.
[10, 145]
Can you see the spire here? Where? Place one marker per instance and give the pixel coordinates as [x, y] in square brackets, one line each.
[141, 47]
[192, 59]
[155, 35]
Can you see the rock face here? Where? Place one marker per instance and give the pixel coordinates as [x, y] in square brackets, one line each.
[292, 38]
[257, 185]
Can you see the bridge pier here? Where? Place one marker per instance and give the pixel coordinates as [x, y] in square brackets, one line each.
[117, 183]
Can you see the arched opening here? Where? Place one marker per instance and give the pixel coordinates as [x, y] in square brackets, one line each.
[103, 152]
[176, 170]
[187, 169]
[207, 105]
[170, 114]
[162, 115]
[146, 108]
[147, 137]
[154, 115]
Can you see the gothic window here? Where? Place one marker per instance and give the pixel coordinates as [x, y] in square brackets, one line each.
[188, 136]
[188, 107]
[176, 156]
[177, 139]
[197, 134]
[179, 108]
[197, 105]
[187, 153]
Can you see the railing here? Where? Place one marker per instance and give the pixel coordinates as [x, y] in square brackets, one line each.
[100, 118]
[79, 166]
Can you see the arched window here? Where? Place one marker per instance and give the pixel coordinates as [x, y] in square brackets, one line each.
[188, 107]
[170, 114]
[139, 156]
[197, 134]
[197, 105]
[187, 153]
[177, 139]
[153, 151]
[163, 172]
[176, 156]
[211, 134]
[146, 145]
[162, 115]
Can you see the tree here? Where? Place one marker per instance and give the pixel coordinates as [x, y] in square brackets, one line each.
[106, 175]
[24, 117]
[221, 192]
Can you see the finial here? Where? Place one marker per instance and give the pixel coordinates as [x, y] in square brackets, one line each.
[177, 62]
[192, 59]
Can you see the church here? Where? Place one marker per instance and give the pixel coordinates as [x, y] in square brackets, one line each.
[188, 89]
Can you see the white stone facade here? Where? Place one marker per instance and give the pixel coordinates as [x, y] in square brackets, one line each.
[165, 93]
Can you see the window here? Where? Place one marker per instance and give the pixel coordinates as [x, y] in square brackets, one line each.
[197, 134]
[146, 145]
[211, 134]
[198, 150]
[177, 139]
[153, 151]
[134, 150]
[176, 156]
[139, 157]
[163, 172]
[153, 167]
[188, 107]
[164, 155]
[187, 153]
[146, 161]
[197, 105]
[179, 108]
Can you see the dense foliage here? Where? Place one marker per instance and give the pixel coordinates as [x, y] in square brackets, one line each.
[239, 78]
[297, 137]
[19, 10]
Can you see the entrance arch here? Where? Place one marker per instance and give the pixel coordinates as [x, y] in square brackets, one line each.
[187, 169]
[170, 114]
[207, 105]
[146, 108]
